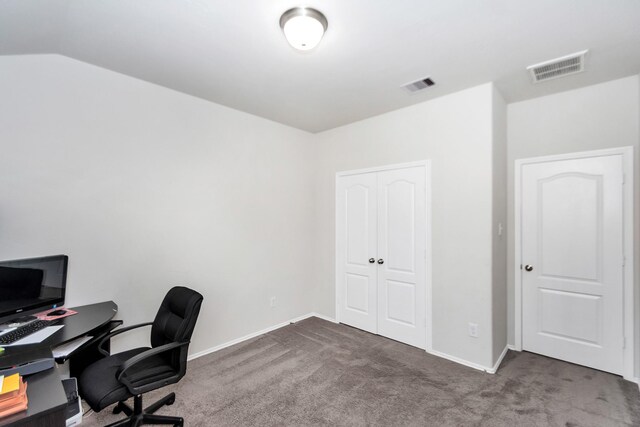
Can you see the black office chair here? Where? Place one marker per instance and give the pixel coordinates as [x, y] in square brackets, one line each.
[131, 373]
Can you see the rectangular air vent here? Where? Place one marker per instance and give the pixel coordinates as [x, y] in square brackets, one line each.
[559, 67]
[419, 85]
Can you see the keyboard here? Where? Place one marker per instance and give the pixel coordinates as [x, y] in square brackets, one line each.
[23, 331]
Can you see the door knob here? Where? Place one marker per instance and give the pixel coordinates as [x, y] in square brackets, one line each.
[380, 261]
[372, 260]
[528, 267]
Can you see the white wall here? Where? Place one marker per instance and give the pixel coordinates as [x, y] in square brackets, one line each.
[499, 241]
[601, 116]
[145, 188]
[455, 132]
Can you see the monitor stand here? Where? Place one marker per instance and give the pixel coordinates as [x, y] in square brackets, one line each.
[17, 320]
[22, 319]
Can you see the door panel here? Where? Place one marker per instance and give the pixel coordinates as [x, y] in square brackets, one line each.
[558, 309]
[356, 205]
[398, 203]
[571, 203]
[358, 224]
[572, 236]
[402, 247]
[400, 300]
[357, 293]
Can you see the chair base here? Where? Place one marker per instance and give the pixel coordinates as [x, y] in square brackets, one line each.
[137, 416]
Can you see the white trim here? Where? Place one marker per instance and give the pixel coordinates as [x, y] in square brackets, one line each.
[323, 317]
[257, 334]
[499, 361]
[512, 347]
[428, 248]
[628, 201]
[429, 261]
[335, 248]
[517, 256]
[330, 319]
[473, 365]
[460, 361]
[383, 168]
[629, 353]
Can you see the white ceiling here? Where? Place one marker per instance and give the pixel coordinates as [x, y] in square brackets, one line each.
[232, 52]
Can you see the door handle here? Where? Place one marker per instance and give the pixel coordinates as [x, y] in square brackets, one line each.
[380, 261]
[528, 267]
[372, 260]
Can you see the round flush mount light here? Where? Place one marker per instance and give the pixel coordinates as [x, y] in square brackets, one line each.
[303, 27]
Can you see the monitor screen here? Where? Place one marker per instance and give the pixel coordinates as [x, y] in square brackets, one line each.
[27, 285]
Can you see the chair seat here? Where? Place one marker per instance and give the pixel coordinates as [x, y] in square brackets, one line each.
[98, 383]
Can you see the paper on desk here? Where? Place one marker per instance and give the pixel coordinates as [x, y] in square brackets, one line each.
[63, 350]
[36, 337]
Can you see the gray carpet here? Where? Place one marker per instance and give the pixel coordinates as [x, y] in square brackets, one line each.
[318, 373]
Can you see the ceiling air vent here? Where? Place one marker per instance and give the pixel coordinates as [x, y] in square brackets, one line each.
[559, 67]
[419, 85]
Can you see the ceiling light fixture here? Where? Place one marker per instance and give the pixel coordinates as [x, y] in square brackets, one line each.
[303, 27]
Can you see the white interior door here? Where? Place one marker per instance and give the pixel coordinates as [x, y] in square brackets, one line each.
[381, 253]
[401, 252]
[356, 218]
[572, 256]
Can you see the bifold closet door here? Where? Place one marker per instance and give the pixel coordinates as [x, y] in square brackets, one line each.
[402, 248]
[357, 206]
[381, 253]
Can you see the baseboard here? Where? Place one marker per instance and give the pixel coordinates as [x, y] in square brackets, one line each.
[512, 347]
[499, 361]
[473, 365]
[479, 367]
[460, 361]
[258, 333]
[323, 317]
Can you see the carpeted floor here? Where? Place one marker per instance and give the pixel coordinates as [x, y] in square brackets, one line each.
[318, 373]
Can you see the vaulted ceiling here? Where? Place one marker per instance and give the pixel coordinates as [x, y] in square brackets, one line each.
[233, 52]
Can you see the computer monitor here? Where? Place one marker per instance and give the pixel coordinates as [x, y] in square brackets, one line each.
[31, 285]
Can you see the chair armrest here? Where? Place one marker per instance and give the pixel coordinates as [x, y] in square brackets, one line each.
[118, 332]
[139, 358]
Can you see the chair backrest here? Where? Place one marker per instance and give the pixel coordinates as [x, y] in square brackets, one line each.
[176, 320]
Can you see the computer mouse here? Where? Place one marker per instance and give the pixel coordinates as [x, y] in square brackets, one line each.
[56, 313]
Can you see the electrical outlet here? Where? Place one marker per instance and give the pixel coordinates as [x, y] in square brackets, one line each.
[473, 330]
[272, 302]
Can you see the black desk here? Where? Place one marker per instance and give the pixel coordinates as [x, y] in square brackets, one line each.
[47, 400]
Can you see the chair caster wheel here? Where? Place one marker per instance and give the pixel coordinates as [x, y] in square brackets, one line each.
[117, 409]
[179, 423]
[171, 402]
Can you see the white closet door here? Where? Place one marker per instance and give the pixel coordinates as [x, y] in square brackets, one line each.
[356, 250]
[402, 255]
[572, 280]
